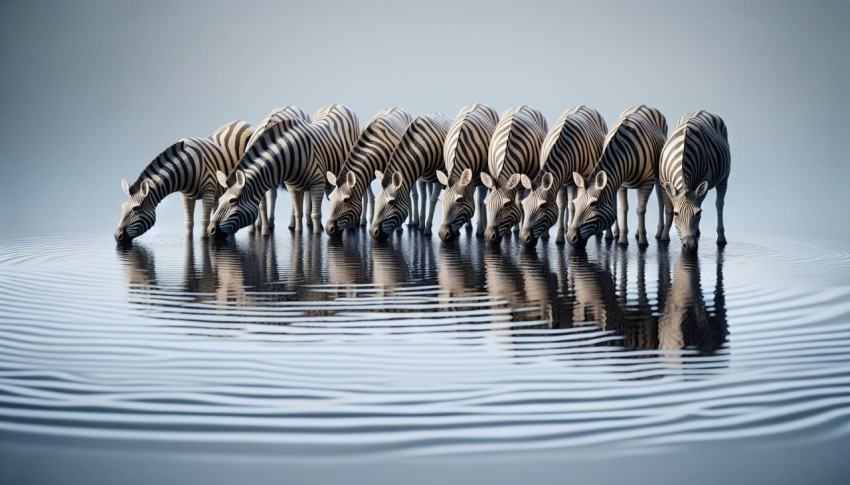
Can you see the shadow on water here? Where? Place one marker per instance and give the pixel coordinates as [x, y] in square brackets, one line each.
[602, 297]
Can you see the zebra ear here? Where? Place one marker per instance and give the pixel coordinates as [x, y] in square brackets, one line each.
[548, 180]
[397, 179]
[578, 180]
[487, 180]
[240, 179]
[465, 177]
[221, 177]
[125, 186]
[701, 189]
[146, 187]
[350, 179]
[601, 179]
[331, 178]
[512, 182]
[526, 182]
[442, 178]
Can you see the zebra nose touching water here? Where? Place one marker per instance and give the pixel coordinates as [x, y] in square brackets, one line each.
[514, 151]
[574, 144]
[189, 167]
[629, 160]
[418, 156]
[352, 194]
[693, 161]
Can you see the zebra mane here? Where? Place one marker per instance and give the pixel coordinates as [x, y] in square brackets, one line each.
[160, 161]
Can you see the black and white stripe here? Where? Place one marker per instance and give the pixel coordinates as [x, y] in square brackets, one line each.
[465, 155]
[694, 160]
[189, 167]
[417, 158]
[573, 144]
[371, 152]
[629, 160]
[291, 152]
[514, 151]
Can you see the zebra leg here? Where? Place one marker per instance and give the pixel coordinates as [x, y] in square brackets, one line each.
[436, 187]
[661, 195]
[481, 194]
[272, 196]
[413, 216]
[297, 205]
[562, 208]
[308, 208]
[623, 232]
[423, 203]
[368, 198]
[189, 209]
[209, 205]
[518, 200]
[643, 198]
[718, 204]
[316, 194]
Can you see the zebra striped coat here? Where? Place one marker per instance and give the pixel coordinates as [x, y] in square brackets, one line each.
[189, 167]
[371, 152]
[574, 144]
[465, 154]
[629, 160]
[291, 152]
[694, 160]
[265, 222]
[418, 157]
[514, 151]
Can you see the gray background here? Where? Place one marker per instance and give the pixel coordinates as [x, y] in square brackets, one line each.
[92, 91]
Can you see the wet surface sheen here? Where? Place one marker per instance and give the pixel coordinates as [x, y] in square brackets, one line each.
[413, 347]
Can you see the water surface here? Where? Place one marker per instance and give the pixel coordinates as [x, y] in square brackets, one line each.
[295, 347]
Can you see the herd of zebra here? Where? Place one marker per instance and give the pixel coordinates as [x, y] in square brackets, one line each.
[512, 170]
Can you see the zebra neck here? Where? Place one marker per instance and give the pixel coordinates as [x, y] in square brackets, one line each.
[164, 181]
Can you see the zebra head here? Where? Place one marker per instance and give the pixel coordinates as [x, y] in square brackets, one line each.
[345, 208]
[457, 204]
[392, 205]
[686, 212]
[590, 214]
[539, 209]
[138, 213]
[502, 210]
[237, 207]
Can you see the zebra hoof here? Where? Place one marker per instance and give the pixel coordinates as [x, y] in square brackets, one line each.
[544, 236]
[560, 240]
[479, 233]
[623, 241]
[665, 238]
[721, 241]
[426, 231]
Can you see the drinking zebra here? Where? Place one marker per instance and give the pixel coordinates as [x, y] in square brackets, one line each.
[574, 144]
[465, 154]
[291, 151]
[189, 167]
[265, 221]
[418, 156]
[693, 161]
[352, 194]
[629, 160]
[514, 151]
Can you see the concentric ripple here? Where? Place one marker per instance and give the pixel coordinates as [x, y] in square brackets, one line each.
[414, 347]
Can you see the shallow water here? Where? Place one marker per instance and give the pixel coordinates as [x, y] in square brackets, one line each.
[297, 347]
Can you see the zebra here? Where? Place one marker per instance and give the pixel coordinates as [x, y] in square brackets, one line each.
[189, 167]
[694, 160]
[514, 151]
[351, 195]
[629, 160]
[418, 156]
[291, 151]
[465, 154]
[574, 144]
[265, 221]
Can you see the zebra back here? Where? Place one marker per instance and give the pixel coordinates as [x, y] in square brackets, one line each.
[336, 130]
[419, 154]
[279, 116]
[697, 150]
[515, 146]
[467, 141]
[632, 148]
[233, 138]
[574, 144]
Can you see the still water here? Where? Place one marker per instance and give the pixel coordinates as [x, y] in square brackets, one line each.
[296, 349]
